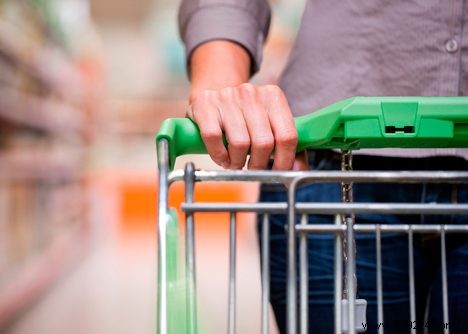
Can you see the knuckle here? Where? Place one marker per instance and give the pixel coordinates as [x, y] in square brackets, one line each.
[227, 92]
[287, 138]
[273, 89]
[202, 100]
[240, 143]
[263, 142]
[203, 96]
[211, 134]
[247, 90]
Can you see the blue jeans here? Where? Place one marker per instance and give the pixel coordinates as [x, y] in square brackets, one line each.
[394, 250]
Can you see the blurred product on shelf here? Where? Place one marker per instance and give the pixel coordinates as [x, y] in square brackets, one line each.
[50, 94]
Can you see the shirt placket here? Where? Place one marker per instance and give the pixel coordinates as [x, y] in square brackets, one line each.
[452, 48]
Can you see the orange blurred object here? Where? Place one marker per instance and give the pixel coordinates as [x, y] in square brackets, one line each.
[139, 202]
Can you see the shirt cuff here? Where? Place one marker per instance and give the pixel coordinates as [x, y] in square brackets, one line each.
[223, 22]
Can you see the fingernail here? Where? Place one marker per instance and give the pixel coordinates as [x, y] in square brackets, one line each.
[297, 166]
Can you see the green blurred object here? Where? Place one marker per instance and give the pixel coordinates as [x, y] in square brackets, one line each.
[176, 280]
[356, 123]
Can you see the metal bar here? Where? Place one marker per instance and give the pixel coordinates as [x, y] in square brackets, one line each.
[385, 177]
[190, 251]
[304, 278]
[163, 166]
[330, 208]
[327, 176]
[265, 273]
[232, 275]
[389, 208]
[384, 228]
[271, 208]
[338, 277]
[411, 281]
[234, 175]
[378, 255]
[350, 273]
[291, 272]
[444, 281]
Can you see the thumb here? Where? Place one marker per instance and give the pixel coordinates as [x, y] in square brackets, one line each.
[301, 162]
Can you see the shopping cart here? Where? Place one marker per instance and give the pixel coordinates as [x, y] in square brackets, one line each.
[361, 122]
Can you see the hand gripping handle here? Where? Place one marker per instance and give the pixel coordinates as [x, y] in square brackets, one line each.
[355, 123]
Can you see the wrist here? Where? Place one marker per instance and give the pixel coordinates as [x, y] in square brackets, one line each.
[218, 64]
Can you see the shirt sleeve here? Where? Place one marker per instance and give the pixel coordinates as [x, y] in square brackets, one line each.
[245, 22]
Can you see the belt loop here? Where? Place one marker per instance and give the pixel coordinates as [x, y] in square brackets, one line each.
[423, 200]
[453, 199]
[311, 158]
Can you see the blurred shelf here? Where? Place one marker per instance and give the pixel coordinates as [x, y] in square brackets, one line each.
[44, 114]
[143, 117]
[44, 63]
[43, 164]
[46, 104]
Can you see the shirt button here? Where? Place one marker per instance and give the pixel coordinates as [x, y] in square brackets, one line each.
[451, 45]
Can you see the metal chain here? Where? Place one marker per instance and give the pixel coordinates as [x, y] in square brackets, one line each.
[347, 197]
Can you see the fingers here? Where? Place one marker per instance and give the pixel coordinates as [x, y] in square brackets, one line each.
[283, 127]
[262, 141]
[251, 117]
[205, 113]
[235, 128]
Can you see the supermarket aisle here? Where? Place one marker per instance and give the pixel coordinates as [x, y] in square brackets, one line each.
[84, 86]
[112, 289]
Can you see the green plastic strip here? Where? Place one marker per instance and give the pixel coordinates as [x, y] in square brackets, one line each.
[356, 123]
[176, 279]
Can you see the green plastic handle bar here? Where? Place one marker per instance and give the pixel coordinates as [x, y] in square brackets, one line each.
[355, 123]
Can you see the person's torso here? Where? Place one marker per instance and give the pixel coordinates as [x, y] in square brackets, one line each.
[377, 48]
[363, 48]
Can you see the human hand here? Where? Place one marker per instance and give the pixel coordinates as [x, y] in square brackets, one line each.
[253, 118]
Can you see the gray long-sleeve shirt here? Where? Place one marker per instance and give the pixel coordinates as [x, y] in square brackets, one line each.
[349, 48]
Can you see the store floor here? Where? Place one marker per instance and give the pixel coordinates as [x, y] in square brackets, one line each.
[112, 290]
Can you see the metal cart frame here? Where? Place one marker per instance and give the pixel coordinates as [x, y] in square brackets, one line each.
[172, 279]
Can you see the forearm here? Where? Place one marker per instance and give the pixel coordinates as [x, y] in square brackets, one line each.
[218, 64]
[224, 41]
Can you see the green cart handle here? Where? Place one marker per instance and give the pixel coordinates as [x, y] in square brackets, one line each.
[356, 123]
